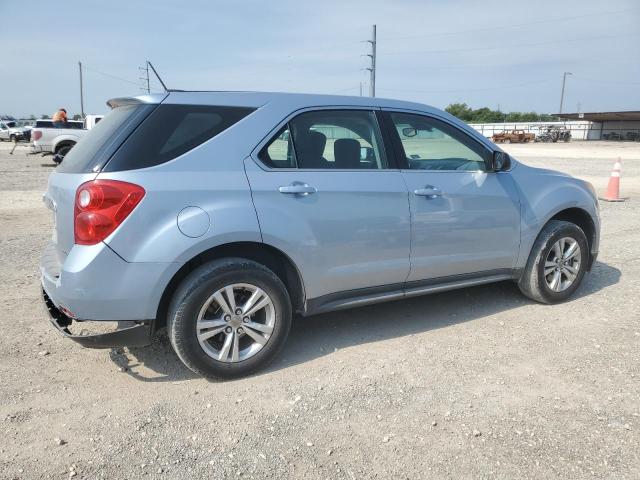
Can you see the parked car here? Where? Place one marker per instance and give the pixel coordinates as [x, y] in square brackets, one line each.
[633, 136]
[612, 136]
[10, 131]
[514, 136]
[221, 215]
[47, 139]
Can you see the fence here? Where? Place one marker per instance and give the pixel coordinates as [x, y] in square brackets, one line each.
[580, 129]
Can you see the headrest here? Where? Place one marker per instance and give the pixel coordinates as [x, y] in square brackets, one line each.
[346, 151]
[311, 144]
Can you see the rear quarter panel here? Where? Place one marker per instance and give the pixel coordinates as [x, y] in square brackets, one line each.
[211, 177]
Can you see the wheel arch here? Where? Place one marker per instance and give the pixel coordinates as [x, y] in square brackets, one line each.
[262, 253]
[581, 218]
[63, 143]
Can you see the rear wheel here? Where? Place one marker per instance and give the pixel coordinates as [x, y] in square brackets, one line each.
[62, 151]
[557, 263]
[229, 318]
[506, 140]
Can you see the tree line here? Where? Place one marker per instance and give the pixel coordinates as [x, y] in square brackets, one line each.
[485, 115]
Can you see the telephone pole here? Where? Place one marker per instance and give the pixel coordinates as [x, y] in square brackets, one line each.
[372, 68]
[145, 78]
[564, 80]
[81, 92]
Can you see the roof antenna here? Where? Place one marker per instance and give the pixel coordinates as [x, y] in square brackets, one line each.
[157, 76]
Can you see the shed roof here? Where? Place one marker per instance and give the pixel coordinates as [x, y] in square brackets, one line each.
[601, 116]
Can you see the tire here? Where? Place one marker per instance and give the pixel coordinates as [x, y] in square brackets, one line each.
[506, 140]
[12, 138]
[533, 282]
[62, 151]
[191, 299]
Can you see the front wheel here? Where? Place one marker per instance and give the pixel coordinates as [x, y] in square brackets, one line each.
[557, 263]
[229, 318]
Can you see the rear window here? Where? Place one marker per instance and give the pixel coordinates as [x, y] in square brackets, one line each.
[99, 143]
[171, 130]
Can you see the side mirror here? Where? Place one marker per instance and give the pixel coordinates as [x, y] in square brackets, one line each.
[501, 161]
[366, 153]
[409, 132]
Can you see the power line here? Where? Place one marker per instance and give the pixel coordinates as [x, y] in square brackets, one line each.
[524, 84]
[110, 76]
[517, 25]
[342, 90]
[615, 82]
[514, 45]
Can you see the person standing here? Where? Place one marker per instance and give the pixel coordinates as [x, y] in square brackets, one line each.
[60, 118]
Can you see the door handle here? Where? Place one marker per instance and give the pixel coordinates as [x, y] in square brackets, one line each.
[298, 189]
[428, 191]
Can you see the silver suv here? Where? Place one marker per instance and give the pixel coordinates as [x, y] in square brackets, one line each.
[221, 215]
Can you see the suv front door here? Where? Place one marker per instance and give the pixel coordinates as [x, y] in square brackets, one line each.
[326, 196]
[465, 219]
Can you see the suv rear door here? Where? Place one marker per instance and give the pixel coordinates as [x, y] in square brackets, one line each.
[465, 219]
[326, 195]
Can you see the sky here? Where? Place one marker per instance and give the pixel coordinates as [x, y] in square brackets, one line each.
[510, 55]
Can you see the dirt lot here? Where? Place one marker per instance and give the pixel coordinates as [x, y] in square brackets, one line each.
[477, 383]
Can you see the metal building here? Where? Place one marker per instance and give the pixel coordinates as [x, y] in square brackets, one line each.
[608, 125]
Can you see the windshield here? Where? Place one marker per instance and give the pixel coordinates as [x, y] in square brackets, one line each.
[99, 143]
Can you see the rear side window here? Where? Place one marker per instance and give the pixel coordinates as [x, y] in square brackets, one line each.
[171, 130]
[327, 140]
[99, 143]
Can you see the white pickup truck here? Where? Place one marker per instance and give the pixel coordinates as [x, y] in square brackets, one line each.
[58, 141]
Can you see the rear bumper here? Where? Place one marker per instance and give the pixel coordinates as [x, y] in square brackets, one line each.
[135, 334]
[92, 283]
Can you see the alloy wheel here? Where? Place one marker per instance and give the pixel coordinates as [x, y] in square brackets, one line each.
[236, 322]
[562, 264]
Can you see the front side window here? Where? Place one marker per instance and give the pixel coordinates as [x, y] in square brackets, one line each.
[328, 140]
[430, 144]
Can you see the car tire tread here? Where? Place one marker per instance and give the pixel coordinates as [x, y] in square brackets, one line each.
[181, 321]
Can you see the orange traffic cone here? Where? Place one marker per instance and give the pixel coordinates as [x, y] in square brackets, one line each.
[613, 189]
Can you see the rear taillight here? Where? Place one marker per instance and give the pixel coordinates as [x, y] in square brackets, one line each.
[36, 135]
[102, 205]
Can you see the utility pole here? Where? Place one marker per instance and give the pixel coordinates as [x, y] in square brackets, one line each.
[81, 92]
[145, 78]
[564, 80]
[372, 68]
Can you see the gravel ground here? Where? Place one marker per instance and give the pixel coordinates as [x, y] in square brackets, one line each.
[476, 383]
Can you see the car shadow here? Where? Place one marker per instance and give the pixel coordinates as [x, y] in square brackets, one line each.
[320, 335]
